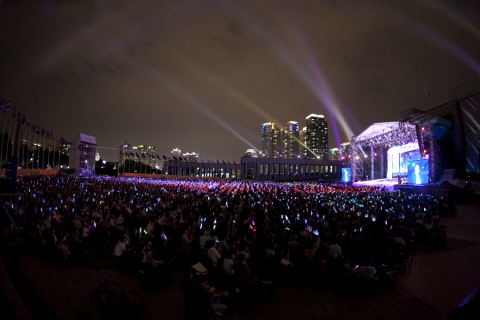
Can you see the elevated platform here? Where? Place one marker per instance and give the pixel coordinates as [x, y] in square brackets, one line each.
[440, 190]
[386, 183]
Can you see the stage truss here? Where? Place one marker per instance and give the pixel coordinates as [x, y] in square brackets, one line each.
[384, 135]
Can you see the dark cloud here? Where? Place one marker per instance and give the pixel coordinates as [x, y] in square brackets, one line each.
[204, 75]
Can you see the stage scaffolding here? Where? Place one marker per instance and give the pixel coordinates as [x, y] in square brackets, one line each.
[356, 161]
[379, 136]
[419, 128]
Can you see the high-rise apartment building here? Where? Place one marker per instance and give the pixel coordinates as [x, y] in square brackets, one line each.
[316, 137]
[147, 155]
[271, 140]
[303, 150]
[291, 140]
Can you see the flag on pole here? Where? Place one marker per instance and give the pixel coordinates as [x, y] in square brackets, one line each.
[2, 101]
[143, 155]
[164, 158]
[121, 153]
[6, 107]
[62, 140]
[14, 113]
[234, 163]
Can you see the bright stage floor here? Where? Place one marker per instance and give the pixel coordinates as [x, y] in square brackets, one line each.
[383, 183]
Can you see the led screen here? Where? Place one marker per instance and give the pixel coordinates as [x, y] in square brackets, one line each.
[417, 171]
[346, 174]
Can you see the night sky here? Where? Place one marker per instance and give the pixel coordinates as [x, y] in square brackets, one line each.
[203, 76]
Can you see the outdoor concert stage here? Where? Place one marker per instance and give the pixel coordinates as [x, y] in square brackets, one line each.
[436, 189]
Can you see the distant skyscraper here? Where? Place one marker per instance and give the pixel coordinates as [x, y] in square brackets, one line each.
[303, 150]
[271, 146]
[316, 137]
[146, 154]
[291, 140]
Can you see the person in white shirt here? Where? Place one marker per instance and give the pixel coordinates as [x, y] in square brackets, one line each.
[213, 255]
[122, 254]
[203, 239]
[120, 247]
[399, 240]
[228, 262]
[334, 250]
[367, 271]
[285, 262]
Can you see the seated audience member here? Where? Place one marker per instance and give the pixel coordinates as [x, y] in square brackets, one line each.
[312, 248]
[187, 238]
[58, 243]
[399, 241]
[293, 243]
[270, 252]
[213, 254]
[203, 239]
[349, 269]
[368, 270]
[285, 261]
[229, 262]
[334, 250]
[242, 272]
[123, 256]
[211, 294]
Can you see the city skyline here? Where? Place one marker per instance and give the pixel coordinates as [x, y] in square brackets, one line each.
[294, 142]
[202, 75]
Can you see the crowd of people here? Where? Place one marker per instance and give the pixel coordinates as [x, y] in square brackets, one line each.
[240, 231]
